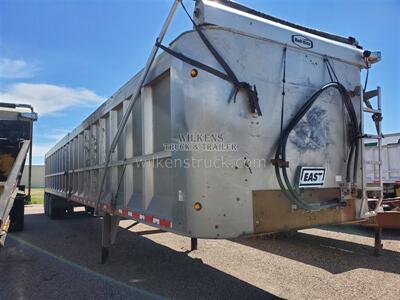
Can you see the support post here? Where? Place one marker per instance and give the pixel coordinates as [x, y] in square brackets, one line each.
[109, 233]
[378, 240]
[193, 244]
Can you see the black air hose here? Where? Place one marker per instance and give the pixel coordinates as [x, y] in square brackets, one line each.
[280, 154]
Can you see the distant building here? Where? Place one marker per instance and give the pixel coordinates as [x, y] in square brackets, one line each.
[37, 176]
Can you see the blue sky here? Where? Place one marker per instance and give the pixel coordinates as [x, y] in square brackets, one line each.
[69, 56]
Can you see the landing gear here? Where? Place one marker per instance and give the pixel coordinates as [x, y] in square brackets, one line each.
[378, 241]
[55, 207]
[109, 233]
[193, 244]
[89, 210]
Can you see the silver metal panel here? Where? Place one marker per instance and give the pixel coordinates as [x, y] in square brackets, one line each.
[212, 12]
[160, 65]
[206, 110]
[128, 173]
[390, 163]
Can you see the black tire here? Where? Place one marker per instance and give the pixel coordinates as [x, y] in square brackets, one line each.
[46, 204]
[17, 214]
[89, 210]
[55, 212]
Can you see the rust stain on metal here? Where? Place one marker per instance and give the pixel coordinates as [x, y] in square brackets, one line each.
[273, 212]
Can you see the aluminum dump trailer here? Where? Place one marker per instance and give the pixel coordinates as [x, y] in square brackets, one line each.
[390, 165]
[389, 217]
[207, 156]
[15, 142]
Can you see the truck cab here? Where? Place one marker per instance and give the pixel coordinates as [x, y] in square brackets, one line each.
[16, 122]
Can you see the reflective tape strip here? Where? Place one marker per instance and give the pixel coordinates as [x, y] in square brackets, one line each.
[166, 223]
[126, 213]
[146, 218]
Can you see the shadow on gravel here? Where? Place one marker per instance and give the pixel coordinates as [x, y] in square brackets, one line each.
[332, 255]
[388, 234]
[135, 260]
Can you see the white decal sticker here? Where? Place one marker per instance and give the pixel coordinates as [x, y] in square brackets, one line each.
[312, 177]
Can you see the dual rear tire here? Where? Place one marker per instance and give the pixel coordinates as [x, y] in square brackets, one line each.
[57, 207]
[17, 214]
[54, 207]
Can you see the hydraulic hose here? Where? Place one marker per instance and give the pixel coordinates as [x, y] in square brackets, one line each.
[280, 155]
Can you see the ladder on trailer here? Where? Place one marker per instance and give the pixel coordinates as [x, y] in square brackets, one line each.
[377, 118]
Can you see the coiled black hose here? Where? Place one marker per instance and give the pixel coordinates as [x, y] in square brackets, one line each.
[280, 154]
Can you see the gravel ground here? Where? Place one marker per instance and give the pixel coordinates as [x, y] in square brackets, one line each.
[60, 259]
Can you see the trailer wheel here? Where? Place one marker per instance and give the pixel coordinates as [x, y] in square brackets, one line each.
[46, 204]
[17, 214]
[89, 210]
[55, 212]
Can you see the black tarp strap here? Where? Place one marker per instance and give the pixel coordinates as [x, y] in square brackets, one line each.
[228, 76]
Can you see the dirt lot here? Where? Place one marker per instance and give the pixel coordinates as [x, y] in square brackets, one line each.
[60, 259]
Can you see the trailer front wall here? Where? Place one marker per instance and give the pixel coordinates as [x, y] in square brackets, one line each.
[227, 194]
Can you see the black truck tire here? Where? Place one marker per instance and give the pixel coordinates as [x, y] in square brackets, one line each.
[89, 210]
[45, 206]
[55, 210]
[17, 214]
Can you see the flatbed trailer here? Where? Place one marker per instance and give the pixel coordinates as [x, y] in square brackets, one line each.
[16, 123]
[245, 125]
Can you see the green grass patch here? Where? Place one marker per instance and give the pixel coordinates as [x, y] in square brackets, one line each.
[37, 196]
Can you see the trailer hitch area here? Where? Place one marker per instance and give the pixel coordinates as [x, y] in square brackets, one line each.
[354, 191]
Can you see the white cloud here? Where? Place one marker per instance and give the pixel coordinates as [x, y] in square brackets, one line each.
[55, 134]
[16, 68]
[49, 98]
[39, 150]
